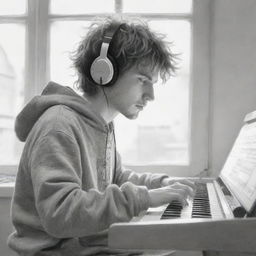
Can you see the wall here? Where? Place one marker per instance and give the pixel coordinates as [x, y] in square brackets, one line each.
[233, 73]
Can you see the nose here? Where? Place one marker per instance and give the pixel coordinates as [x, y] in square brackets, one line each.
[149, 93]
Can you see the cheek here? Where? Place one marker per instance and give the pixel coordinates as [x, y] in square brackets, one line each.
[127, 92]
[132, 97]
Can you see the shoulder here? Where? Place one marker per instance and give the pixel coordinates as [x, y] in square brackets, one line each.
[59, 114]
[59, 118]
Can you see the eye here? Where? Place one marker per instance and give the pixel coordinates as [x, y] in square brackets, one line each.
[142, 80]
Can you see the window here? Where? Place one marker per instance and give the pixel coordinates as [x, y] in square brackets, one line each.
[12, 69]
[162, 136]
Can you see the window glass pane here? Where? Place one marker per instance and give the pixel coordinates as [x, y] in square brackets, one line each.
[160, 135]
[178, 33]
[81, 6]
[12, 57]
[61, 46]
[12, 7]
[160, 6]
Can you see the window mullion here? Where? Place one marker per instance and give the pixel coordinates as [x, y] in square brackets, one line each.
[200, 86]
[42, 45]
[118, 6]
[37, 69]
[30, 59]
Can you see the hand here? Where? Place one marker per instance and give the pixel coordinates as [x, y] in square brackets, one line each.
[169, 181]
[167, 194]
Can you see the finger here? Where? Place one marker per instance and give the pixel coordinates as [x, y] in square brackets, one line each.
[188, 189]
[180, 195]
[184, 193]
[180, 198]
[188, 183]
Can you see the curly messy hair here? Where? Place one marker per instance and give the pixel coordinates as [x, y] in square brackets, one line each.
[134, 44]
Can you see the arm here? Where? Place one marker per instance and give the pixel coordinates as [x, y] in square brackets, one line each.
[65, 209]
[154, 182]
[122, 175]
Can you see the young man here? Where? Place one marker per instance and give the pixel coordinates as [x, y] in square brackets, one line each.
[71, 185]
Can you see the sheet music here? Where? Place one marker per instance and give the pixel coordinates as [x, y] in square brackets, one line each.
[239, 170]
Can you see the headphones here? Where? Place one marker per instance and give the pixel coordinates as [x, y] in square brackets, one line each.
[104, 70]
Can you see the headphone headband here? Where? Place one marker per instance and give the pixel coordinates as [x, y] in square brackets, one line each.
[109, 34]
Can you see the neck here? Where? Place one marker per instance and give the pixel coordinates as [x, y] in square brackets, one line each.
[100, 104]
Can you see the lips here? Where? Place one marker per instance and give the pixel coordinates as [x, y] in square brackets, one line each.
[140, 107]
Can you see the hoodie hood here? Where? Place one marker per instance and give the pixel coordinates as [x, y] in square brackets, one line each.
[55, 94]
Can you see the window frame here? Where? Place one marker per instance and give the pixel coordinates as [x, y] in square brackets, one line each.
[37, 72]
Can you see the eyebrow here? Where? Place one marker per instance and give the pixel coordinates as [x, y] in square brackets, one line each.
[147, 76]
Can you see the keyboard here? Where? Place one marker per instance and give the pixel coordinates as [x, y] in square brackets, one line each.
[200, 207]
[204, 204]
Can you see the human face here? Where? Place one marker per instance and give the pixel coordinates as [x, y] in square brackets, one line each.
[131, 92]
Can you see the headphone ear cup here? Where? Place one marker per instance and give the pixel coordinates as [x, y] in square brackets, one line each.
[102, 70]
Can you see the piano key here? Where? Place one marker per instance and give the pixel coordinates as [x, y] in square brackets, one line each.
[171, 215]
[205, 217]
[174, 207]
[201, 210]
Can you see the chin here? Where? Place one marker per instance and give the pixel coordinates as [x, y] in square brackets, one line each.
[131, 116]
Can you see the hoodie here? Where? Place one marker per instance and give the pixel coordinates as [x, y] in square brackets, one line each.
[71, 185]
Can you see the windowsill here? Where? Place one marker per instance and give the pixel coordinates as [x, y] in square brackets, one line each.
[7, 183]
[6, 189]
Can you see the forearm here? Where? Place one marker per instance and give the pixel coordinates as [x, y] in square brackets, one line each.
[150, 180]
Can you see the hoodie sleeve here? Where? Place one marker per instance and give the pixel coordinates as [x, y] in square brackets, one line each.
[65, 210]
[150, 180]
